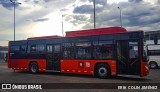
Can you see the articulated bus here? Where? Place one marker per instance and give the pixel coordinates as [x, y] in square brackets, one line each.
[103, 52]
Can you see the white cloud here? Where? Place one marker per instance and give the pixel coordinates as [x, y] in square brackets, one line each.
[133, 15]
[35, 11]
[78, 14]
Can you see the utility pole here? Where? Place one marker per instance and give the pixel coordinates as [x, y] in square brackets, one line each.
[120, 13]
[62, 23]
[62, 26]
[94, 6]
[14, 4]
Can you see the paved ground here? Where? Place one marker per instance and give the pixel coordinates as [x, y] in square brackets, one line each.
[8, 76]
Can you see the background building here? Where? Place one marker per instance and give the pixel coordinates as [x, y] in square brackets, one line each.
[152, 37]
[3, 52]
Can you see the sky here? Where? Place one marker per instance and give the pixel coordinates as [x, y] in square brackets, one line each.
[34, 18]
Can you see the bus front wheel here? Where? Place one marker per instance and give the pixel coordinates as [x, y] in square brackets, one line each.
[102, 71]
[33, 68]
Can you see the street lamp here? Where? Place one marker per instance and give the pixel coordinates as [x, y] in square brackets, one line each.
[62, 24]
[120, 16]
[94, 13]
[14, 3]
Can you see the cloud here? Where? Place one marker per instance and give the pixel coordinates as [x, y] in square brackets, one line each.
[84, 9]
[78, 19]
[136, 15]
[8, 4]
[101, 2]
[135, 1]
[83, 0]
[140, 16]
[28, 15]
[39, 20]
[49, 0]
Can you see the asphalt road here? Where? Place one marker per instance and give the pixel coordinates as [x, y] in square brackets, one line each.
[9, 76]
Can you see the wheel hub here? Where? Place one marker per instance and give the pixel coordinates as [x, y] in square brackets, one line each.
[34, 68]
[102, 71]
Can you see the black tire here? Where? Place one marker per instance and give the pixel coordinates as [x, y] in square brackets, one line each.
[33, 68]
[153, 65]
[102, 71]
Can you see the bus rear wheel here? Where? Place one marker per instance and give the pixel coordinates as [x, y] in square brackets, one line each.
[33, 68]
[102, 71]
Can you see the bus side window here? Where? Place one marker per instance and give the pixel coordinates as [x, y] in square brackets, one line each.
[28, 49]
[12, 49]
[15, 49]
[23, 49]
[40, 48]
[83, 50]
[68, 50]
[103, 50]
[33, 48]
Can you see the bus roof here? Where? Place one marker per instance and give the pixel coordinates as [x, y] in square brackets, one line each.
[44, 37]
[89, 32]
[98, 31]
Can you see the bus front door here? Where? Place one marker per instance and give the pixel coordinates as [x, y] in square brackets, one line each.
[128, 61]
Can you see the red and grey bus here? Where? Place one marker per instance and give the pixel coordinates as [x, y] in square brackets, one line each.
[102, 52]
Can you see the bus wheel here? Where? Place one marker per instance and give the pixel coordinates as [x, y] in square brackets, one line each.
[153, 65]
[102, 71]
[33, 68]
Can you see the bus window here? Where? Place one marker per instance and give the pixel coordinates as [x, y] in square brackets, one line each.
[133, 54]
[103, 50]
[68, 50]
[49, 49]
[15, 48]
[33, 48]
[23, 48]
[37, 48]
[40, 48]
[83, 50]
[57, 48]
[12, 49]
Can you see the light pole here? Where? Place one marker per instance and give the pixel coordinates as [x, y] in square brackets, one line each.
[62, 23]
[14, 3]
[62, 26]
[120, 13]
[94, 13]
